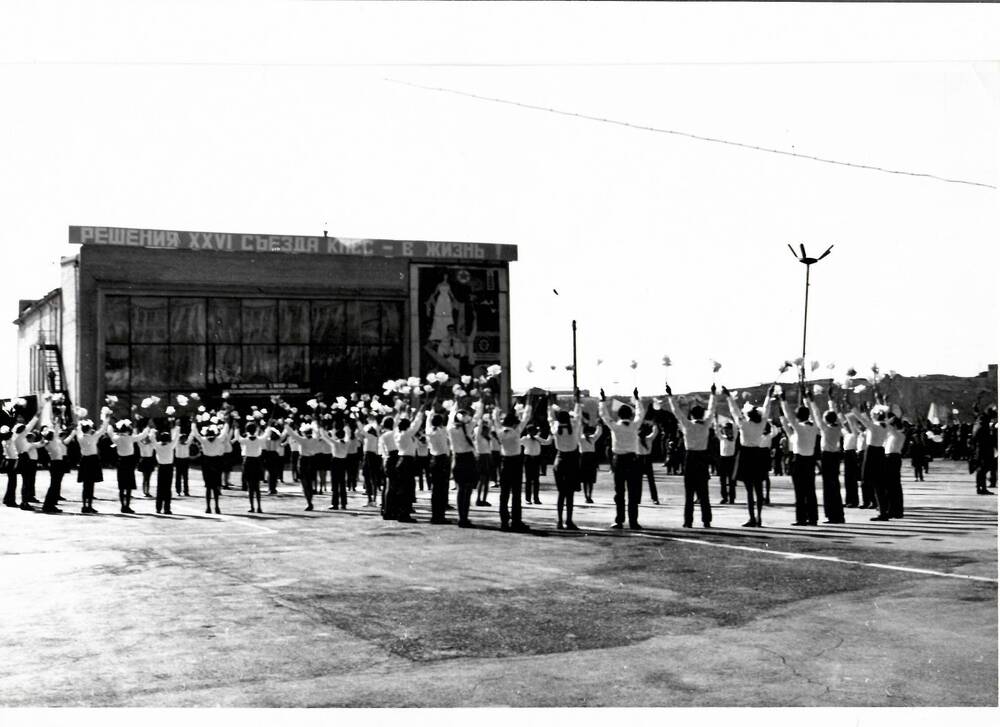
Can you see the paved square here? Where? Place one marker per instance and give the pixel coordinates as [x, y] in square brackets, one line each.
[290, 608]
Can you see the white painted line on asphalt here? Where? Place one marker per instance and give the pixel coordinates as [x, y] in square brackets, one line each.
[809, 556]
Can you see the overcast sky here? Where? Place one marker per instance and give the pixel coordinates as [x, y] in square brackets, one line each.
[278, 118]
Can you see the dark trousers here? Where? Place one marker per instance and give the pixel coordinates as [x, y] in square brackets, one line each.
[391, 496]
[29, 469]
[57, 468]
[531, 485]
[804, 483]
[351, 467]
[727, 482]
[894, 484]
[440, 464]
[510, 488]
[466, 477]
[873, 487]
[307, 476]
[628, 478]
[407, 483]
[272, 465]
[338, 483]
[373, 474]
[646, 470]
[10, 496]
[851, 478]
[696, 485]
[181, 467]
[296, 468]
[833, 506]
[164, 479]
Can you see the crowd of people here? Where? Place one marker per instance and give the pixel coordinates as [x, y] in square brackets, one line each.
[449, 435]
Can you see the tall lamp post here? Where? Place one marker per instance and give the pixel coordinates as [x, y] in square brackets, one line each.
[808, 262]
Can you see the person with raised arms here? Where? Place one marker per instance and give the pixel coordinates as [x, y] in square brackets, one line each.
[754, 458]
[588, 457]
[624, 434]
[876, 432]
[25, 441]
[440, 454]
[252, 446]
[124, 440]
[89, 471]
[165, 451]
[831, 436]
[406, 444]
[464, 449]
[802, 434]
[695, 428]
[566, 429]
[509, 431]
[213, 451]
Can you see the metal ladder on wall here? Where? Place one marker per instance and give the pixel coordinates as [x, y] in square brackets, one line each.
[52, 361]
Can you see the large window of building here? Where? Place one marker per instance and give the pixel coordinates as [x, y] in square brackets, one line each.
[164, 346]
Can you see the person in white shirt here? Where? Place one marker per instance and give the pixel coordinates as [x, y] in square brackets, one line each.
[309, 446]
[337, 446]
[274, 457]
[147, 462]
[802, 435]
[867, 490]
[390, 462]
[423, 462]
[252, 446]
[24, 439]
[644, 457]
[874, 472]
[849, 444]
[509, 431]
[374, 475]
[624, 433]
[165, 451]
[353, 454]
[484, 461]
[566, 430]
[213, 450]
[532, 442]
[182, 462]
[695, 428]
[89, 471]
[830, 440]
[10, 465]
[754, 463]
[440, 454]
[894, 442]
[460, 423]
[56, 451]
[727, 458]
[399, 502]
[588, 458]
[124, 443]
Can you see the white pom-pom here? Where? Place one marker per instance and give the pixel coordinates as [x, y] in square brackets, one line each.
[182, 400]
[442, 377]
[413, 382]
[170, 411]
[428, 388]
[389, 386]
[465, 379]
[494, 370]
[818, 389]
[225, 394]
[859, 388]
[312, 403]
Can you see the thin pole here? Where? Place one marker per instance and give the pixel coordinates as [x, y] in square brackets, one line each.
[574, 356]
[805, 321]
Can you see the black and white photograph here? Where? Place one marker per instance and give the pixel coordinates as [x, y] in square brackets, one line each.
[496, 356]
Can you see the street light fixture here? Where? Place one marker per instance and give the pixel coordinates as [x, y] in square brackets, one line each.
[808, 262]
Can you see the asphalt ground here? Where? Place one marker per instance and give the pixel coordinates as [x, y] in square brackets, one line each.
[342, 609]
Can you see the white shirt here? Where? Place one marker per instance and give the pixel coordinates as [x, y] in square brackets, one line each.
[569, 441]
[459, 436]
[623, 433]
[877, 431]
[124, 444]
[252, 447]
[437, 440]
[215, 448]
[56, 449]
[533, 445]
[727, 447]
[406, 440]
[894, 441]
[9, 450]
[850, 440]
[182, 450]
[387, 443]
[371, 439]
[88, 442]
[589, 444]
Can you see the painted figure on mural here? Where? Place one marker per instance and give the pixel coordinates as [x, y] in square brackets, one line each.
[441, 308]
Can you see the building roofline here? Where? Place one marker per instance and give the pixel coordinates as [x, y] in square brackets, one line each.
[36, 305]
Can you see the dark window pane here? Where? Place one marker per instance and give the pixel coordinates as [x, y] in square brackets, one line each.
[381, 363]
[328, 321]
[260, 321]
[368, 314]
[149, 320]
[187, 320]
[187, 366]
[149, 366]
[293, 321]
[224, 320]
[292, 364]
[116, 316]
[324, 363]
[392, 318]
[352, 321]
[348, 376]
[224, 365]
[260, 364]
[115, 367]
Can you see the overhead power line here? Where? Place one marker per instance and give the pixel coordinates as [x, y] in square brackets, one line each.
[689, 135]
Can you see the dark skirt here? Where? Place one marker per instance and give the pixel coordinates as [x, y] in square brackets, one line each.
[588, 467]
[90, 469]
[752, 464]
[147, 465]
[126, 472]
[26, 464]
[464, 469]
[567, 472]
[253, 470]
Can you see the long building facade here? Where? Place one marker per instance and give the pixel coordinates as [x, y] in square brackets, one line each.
[163, 312]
